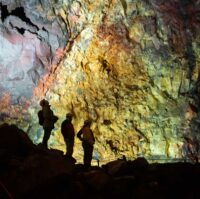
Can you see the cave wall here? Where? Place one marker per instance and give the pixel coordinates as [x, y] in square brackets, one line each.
[130, 66]
[31, 34]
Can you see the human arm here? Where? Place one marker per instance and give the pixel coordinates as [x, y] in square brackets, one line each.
[92, 141]
[79, 135]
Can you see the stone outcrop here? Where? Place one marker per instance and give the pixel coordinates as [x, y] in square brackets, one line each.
[130, 66]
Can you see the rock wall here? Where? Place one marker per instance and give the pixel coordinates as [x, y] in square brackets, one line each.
[30, 36]
[130, 66]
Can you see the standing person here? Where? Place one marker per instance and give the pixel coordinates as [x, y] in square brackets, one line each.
[47, 120]
[87, 137]
[67, 130]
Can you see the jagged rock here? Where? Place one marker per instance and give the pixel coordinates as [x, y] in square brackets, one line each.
[25, 166]
[140, 163]
[96, 179]
[29, 41]
[45, 173]
[14, 142]
[115, 167]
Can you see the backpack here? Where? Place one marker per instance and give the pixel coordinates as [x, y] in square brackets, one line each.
[55, 119]
[40, 117]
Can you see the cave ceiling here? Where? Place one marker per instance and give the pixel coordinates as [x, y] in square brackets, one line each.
[132, 66]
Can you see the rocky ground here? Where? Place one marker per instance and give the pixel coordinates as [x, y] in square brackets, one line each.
[28, 171]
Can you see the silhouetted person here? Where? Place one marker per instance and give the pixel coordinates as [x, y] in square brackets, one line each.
[87, 137]
[48, 121]
[67, 130]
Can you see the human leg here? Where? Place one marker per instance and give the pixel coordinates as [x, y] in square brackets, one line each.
[69, 147]
[88, 150]
[47, 133]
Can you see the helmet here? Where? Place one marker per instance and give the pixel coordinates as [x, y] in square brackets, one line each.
[44, 102]
[87, 122]
[69, 115]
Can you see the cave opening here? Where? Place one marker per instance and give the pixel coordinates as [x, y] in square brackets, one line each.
[20, 30]
[18, 12]
[4, 12]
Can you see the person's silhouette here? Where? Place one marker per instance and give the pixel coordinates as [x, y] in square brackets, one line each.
[67, 130]
[87, 137]
[47, 119]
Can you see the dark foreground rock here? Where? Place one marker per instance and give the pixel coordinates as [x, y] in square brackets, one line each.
[28, 171]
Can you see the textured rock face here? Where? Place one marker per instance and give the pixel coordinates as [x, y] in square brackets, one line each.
[130, 66]
[30, 36]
